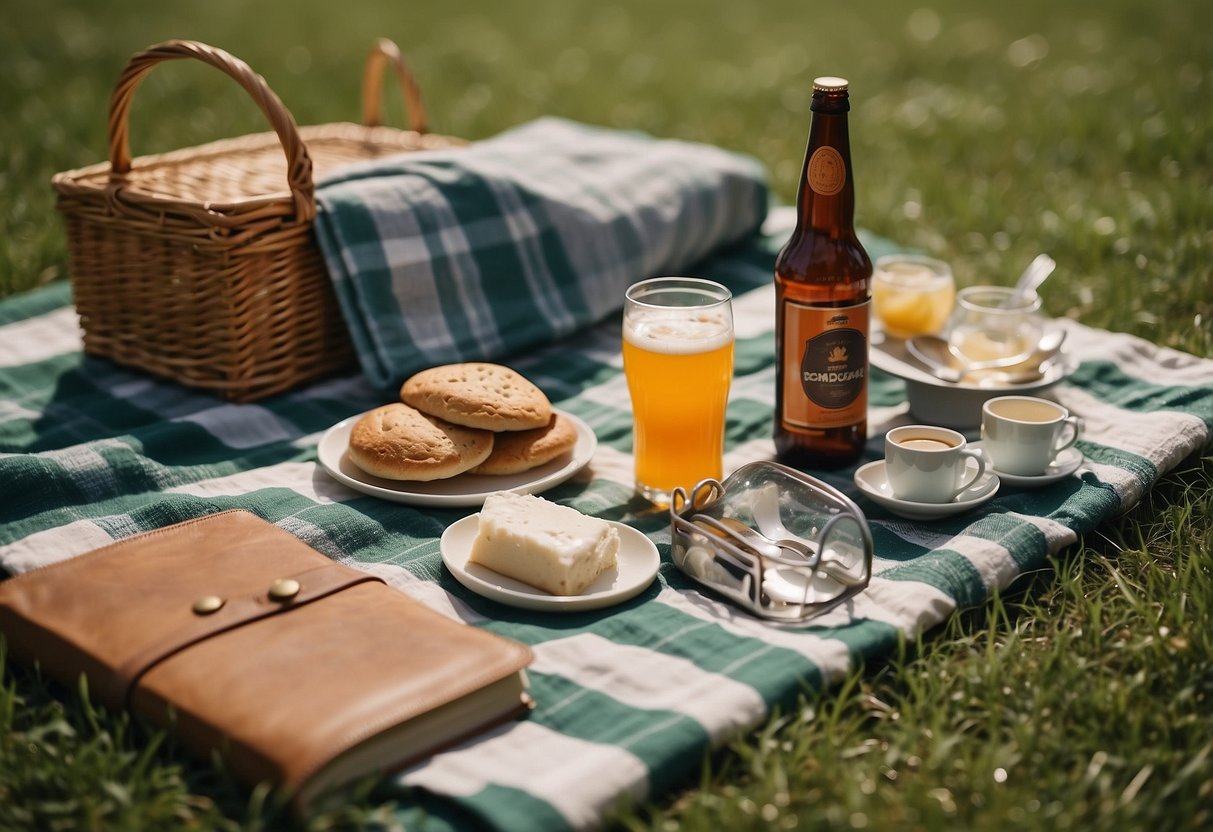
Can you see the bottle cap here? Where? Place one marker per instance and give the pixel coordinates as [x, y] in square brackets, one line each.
[830, 83]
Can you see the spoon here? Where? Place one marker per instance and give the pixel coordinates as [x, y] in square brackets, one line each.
[764, 546]
[766, 515]
[933, 352]
[775, 550]
[1041, 267]
[1001, 378]
[760, 543]
[738, 532]
[765, 507]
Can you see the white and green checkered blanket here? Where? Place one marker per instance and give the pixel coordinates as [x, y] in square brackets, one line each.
[628, 698]
[484, 251]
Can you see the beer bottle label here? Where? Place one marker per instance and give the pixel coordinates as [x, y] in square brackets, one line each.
[825, 360]
[827, 171]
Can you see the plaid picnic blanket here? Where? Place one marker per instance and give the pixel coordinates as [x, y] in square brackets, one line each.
[427, 251]
[630, 697]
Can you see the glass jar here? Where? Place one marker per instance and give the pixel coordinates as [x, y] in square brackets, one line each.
[989, 326]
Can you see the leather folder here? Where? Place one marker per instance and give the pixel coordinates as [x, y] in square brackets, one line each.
[240, 638]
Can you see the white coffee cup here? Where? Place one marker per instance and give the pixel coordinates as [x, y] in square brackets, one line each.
[927, 464]
[1022, 435]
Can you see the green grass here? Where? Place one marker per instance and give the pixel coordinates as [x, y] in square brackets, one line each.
[981, 133]
[1081, 701]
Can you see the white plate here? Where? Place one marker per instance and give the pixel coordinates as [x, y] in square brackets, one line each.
[634, 570]
[463, 490]
[1066, 463]
[873, 480]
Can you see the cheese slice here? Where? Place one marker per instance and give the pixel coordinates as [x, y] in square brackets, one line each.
[545, 545]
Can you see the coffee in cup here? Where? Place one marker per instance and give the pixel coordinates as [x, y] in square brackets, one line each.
[928, 464]
[1022, 435]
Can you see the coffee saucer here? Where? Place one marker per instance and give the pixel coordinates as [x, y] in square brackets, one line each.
[873, 480]
[1065, 464]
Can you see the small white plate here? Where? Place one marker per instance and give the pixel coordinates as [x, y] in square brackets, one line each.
[636, 566]
[873, 480]
[463, 490]
[1065, 464]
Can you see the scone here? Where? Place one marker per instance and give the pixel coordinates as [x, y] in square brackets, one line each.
[397, 442]
[522, 450]
[478, 395]
[545, 545]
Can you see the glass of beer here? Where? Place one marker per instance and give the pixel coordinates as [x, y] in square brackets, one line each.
[678, 359]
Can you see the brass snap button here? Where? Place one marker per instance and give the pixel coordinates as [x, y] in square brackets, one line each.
[208, 604]
[284, 589]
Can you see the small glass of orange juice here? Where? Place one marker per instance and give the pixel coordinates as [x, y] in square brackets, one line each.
[912, 295]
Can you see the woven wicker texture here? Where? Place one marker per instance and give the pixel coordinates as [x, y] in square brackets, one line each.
[200, 264]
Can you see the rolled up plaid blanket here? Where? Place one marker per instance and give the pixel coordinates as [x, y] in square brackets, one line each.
[476, 253]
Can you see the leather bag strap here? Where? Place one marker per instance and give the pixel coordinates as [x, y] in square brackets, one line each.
[261, 602]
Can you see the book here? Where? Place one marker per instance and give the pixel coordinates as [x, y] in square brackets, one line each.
[240, 638]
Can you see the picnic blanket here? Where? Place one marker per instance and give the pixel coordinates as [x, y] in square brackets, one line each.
[629, 697]
[482, 251]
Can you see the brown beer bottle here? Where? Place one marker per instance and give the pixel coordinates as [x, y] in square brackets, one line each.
[822, 287]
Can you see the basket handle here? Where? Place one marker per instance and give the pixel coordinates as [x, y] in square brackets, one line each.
[383, 52]
[298, 162]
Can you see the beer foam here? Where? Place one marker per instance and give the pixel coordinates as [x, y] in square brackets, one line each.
[682, 335]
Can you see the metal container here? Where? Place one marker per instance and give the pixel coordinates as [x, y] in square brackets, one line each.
[776, 542]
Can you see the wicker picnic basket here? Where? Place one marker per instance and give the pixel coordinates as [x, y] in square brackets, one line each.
[201, 264]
